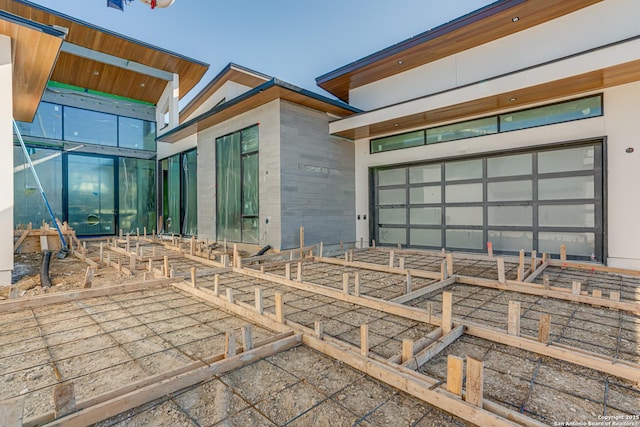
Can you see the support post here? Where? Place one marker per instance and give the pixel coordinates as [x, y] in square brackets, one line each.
[258, 300]
[545, 281]
[401, 263]
[247, 341]
[475, 381]
[513, 327]
[318, 328]
[443, 271]
[450, 265]
[193, 277]
[230, 295]
[364, 340]
[490, 249]
[534, 260]
[391, 254]
[166, 266]
[88, 278]
[279, 307]
[501, 275]
[216, 284]
[407, 350]
[447, 308]
[356, 285]
[287, 271]
[229, 345]
[521, 266]
[299, 272]
[409, 285]
[455, 366]
[544, 329]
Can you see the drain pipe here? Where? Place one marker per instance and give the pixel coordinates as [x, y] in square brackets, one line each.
[45, 280]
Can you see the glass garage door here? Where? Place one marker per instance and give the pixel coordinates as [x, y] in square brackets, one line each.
[527, 200]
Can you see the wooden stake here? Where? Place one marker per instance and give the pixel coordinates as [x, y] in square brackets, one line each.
[475, 381]
[230, 295]
[545, 281]
[166, 266]
[287, 271]
[258, 302]
[407, 350]
[350, 255]
[150, 267]
[216, 284]
[193, 277]
[563, 252]
[88, 278]
[544, 328]
[447, 308]
[490, 249]
[614, 295]
[534, 260]
[299, 272]
[576, 288]
[101, 252]
[514, 318]
[64, 399]
[597, 293]
[450, 265]
[409, 285]
[14, 292]
[501, 276]
[429, 312]
[455, 366]
[521, 266]
[11, 412]
[391, 254]
[401, 263]
[132, 263]
[279, 307]
[247, 341]
[236, 255]
[229, 345]
[443, 271]
[318, 328]
[301, 237]
[544, 257]
[364, 340]
[356, 287]
[345, 283]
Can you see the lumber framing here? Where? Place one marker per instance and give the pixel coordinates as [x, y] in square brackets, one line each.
[402, 299]
[423, 274]
[140, 396]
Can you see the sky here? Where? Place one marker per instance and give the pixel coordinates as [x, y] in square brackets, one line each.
[293, 40]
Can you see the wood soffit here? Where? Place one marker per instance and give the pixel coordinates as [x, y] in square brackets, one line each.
[110, 79]
[477, 28]
[34, 55]
[232, 110]
[571, 86]
[231, 73]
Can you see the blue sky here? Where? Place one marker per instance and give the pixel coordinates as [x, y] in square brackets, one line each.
[294, 40]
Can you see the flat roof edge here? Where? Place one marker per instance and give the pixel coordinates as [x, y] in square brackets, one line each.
[47, 29]
[440, 30]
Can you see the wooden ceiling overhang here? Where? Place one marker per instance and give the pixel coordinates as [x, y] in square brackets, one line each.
[232, 72]
[35, 49]
[260, 95]
[102, 75]
[580, 84]
[484, 25]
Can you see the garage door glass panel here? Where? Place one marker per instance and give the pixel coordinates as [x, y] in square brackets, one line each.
[582, 215]
[393, 235]
[425, 216]
[511, 241]
[393, 216]
[579, 187]
[505, 191]
[520, 164]
[573, 159]
[426, 173]
[519, 216]
[426, 237]
[425, 195]
[463, 193]
[392, 177]
[577, 243]
[464, 215]
[467, 169]
[396, 196]
[464, 239]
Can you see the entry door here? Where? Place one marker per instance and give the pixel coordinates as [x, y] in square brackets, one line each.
[91, 194]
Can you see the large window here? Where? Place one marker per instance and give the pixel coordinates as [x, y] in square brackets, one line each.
[237, 193]
[61, 122]
[565, 111]
[137, 194]
[180, 193]
[534, 200]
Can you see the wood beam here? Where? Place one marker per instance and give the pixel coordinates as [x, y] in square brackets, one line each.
[422, 357]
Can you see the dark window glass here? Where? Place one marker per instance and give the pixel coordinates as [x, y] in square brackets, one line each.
[468, 129]
[395, 142]
[47, 122]
[90, 127]
[551, 114]
[136, 133]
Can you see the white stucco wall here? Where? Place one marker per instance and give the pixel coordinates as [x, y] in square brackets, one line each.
[594, 26]
[618, 125]
[6, 162]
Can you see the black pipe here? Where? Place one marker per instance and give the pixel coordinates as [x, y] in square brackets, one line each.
[45, 280]
[263, 250]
